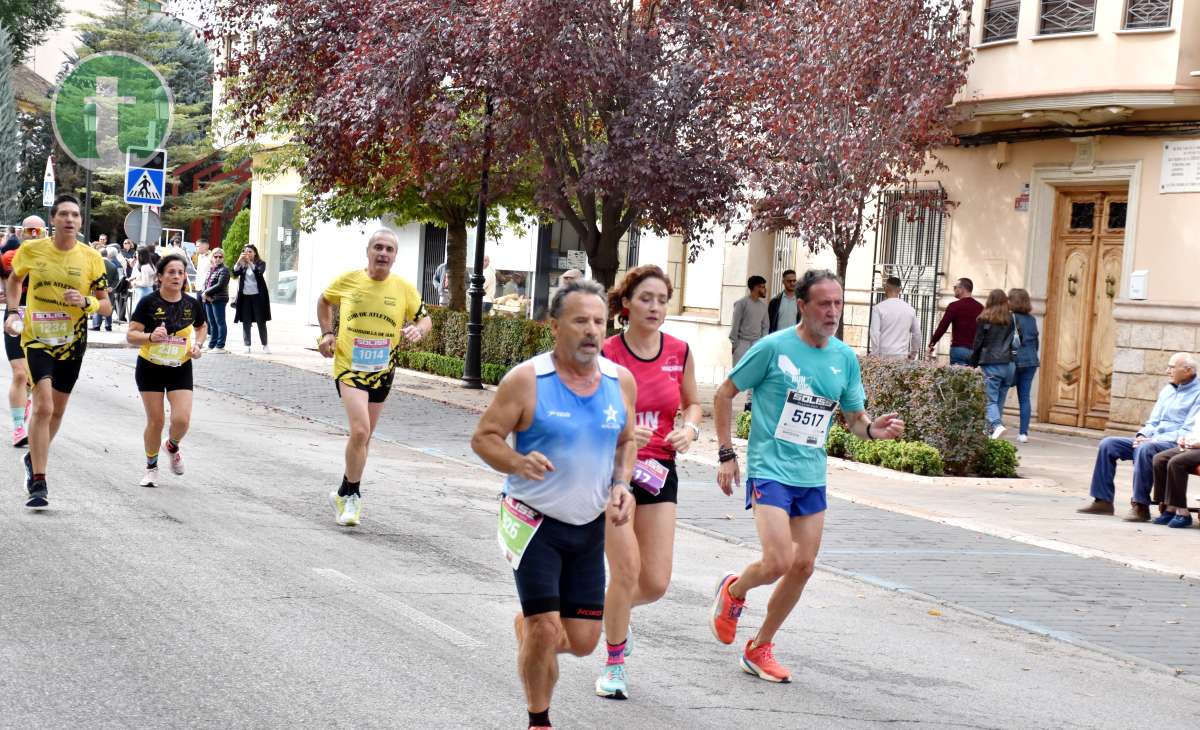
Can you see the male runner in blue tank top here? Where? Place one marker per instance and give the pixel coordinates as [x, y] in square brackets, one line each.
[572, 411]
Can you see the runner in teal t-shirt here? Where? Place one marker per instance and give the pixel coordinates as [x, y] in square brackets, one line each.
[799, 376]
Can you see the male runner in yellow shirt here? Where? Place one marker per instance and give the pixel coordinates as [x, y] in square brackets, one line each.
[66, 283]
[376, 309]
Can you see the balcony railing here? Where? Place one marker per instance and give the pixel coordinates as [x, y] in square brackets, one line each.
[1000, 20]
[1143, 14]
[1067, 16]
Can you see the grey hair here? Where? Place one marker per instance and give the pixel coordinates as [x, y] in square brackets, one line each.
[583, 286]
[812, 277]
[382, 232]
[1187, 360]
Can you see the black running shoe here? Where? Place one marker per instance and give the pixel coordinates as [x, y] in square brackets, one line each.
[39, 495]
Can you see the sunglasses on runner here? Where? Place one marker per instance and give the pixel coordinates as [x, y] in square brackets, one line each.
[34, 230]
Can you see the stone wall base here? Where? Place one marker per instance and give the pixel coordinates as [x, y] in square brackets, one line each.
[1147, 335]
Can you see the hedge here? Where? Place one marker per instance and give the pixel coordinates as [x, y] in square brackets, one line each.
[999, 459]
[446, 366]
[913, 457]
[507, 341]
[942, 405]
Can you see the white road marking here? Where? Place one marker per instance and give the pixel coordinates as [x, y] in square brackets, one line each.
[442, 630]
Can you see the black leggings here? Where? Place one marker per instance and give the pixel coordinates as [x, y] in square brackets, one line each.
[262, 332]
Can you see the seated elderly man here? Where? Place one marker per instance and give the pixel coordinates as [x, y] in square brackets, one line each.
[1167, 424]
[1171, 471]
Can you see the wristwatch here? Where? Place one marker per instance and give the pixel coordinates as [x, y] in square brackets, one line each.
[695, 429]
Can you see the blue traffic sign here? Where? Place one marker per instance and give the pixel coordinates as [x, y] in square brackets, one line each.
[144, 186]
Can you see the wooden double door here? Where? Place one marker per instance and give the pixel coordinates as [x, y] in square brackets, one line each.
[1085, 276]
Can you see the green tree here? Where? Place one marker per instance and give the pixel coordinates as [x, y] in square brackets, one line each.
[10, 141]
[28, 22]
[237, 236]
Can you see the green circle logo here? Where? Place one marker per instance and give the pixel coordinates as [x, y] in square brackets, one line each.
[109, 103]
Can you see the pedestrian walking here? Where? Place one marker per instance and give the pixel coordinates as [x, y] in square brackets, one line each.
[67, 279]
[572, 414]
[441, 284]
[751, 321]
[169, 327]
[894, 331]
[121, 292]
[377, 312]
[215, 294]
[782, 311]
[112, 271]
[960, 317]
[640, 552]
[1028, 359]
[799, 377]
[994, 350]
[252, 303]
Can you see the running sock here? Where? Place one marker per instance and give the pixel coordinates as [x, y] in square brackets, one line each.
[616, 653]
[18, 416]
[172, 445]
[151, 460]
[540, 719]
[39, 477]
[348, 487]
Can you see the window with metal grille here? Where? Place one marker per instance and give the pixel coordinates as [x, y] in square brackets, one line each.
[1000, 20]
[908, 245]
[1140, 14]
[1067, 16]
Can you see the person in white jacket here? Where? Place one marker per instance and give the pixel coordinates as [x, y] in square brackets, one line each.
[895, 331]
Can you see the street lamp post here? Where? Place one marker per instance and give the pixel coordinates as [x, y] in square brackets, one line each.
[89, 126]
[474, 360]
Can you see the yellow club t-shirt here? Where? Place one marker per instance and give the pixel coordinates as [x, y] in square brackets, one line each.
[370, 322]
[50, 323]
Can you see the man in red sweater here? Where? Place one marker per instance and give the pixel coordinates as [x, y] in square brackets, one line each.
[962, 314]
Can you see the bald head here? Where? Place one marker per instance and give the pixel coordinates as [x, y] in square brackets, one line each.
[568, 276]
[1181, 368]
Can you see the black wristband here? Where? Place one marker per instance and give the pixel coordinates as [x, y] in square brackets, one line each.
[726, 453]
[869, 436]
[327, 333]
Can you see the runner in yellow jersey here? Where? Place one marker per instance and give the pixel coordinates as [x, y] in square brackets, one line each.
[376, 310]
[66, 283]
[170, 327]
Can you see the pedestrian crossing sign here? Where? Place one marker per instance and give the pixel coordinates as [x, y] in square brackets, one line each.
[145, 183]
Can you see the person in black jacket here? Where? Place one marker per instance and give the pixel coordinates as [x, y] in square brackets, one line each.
[1027, 355]
[215, 288]
[253, 304]
[785, 301]
[993, 352]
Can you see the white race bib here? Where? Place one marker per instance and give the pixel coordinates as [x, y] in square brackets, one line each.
[53, 328]
[805, 419]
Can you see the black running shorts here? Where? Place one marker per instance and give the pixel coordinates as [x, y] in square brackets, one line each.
[563, 570]
[12, 347]
[151, 378]
[62, 373]
[669, 492]
[374, 395]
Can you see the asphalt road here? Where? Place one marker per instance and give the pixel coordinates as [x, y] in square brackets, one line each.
[228, 598]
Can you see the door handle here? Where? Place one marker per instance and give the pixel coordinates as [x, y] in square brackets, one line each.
[1072, 285]
[1106, 381]
[1110, 286]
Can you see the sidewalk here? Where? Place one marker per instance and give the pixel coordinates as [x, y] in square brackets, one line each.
[1036, 509]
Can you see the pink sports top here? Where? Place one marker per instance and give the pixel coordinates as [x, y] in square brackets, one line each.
[659, 380]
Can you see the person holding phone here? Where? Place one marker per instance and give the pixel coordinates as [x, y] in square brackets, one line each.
[253, 304]
[169, 327]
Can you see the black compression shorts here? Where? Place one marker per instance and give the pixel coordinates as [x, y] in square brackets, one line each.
[151, 378]
[61, 373]
[563, 570]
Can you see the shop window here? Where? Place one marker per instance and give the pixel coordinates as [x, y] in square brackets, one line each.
[1068, 16]
[283, 249]
[1000, 20]
[1143, 14]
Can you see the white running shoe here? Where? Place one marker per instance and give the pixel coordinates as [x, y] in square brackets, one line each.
[1023, 438]
[266, 350]
[247, 349]
[151, 477]
[351, 512]
[176, 460]
[338, 503]
[998, 431]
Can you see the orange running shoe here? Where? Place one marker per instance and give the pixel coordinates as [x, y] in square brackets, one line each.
[760, 661]
[726, 611]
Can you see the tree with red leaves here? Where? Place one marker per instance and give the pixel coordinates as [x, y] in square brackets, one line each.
[835, 101]
[606, 108]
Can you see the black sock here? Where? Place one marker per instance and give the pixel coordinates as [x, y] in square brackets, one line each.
[540, 719]
[348, 487]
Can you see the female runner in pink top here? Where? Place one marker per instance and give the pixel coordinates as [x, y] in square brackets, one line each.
[640, 551]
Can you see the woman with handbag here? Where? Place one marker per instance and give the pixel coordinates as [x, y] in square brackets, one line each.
[1027, 354]
[994, 351]
[253, 304]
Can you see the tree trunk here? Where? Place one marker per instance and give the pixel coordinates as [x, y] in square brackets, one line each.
[456, 262]
[604, 257]
[843, 263]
